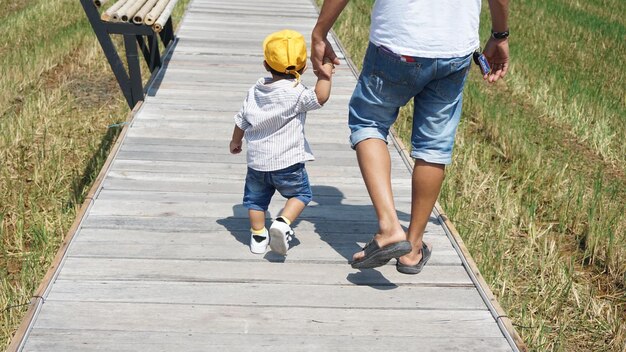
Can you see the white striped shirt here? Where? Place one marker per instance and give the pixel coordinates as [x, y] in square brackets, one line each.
[273, 117]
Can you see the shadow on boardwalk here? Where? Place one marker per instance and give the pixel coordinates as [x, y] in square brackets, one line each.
[344, 240]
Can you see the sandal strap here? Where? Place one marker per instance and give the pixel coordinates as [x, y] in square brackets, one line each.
[370, 247]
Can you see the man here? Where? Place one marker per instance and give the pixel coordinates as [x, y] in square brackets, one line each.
[418, 50]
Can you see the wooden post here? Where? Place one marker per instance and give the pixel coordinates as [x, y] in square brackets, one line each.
[134, 69]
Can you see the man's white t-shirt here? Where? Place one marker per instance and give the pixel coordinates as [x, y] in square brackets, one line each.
[431, 29]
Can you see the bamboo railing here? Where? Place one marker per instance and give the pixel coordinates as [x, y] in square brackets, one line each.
[154, 13]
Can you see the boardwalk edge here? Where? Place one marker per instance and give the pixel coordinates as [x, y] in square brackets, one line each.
[504, 322]
[38, 298]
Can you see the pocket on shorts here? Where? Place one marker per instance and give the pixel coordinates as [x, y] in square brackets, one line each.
[390, 78]
[290, 182]
[450, 86]
[255, 181]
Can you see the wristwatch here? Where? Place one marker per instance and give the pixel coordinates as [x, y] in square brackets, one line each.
[500, 35]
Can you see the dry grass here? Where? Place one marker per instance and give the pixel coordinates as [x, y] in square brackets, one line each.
[58, 98]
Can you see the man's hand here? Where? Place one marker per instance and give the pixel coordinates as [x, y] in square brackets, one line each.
[320, 46]
[497, 53]
[235, 147]
[322, 50]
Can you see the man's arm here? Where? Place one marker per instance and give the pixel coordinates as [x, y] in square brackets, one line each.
[320, 47]
[499, 10]
[497, 50]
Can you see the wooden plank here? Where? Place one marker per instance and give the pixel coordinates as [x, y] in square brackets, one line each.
[345, 157]
[224, 168]
[168, 88]
[233, 224]
[208, 143]
[303, 251]
[256, 295]
[289, 321]
[216, 95]
[346, 212]
[236, 9]
[250, 22]
[221, 148]
[353, 178]
[199, 76]
[62, 340]
[320, 178]
[261, 271]
[327, 196]
[214, 186]
[182, 133]
[226, 122]
[220, 133]
[187, 78]
[233, 245]
[189, 167]
[226, 186]
[220, 159]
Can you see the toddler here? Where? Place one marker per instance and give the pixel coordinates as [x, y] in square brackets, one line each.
[272, 122]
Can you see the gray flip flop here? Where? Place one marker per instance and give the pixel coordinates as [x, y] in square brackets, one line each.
[417, 268]
[376, 256]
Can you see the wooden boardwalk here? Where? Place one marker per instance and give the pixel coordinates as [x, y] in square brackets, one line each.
[159, 260]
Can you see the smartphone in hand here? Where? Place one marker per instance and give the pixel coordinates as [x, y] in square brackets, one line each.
[482, 62]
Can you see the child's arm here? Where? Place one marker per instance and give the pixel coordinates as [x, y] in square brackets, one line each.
[322, 87]
[235, 142]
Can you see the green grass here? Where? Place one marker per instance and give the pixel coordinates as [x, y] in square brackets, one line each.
[537, 184]
[58, 98]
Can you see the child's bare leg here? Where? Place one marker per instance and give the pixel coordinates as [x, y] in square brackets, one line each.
[293, 209]
[257, 219]
[258, 233]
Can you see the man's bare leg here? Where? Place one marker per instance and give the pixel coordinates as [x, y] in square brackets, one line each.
[426, 184]
[375, 164]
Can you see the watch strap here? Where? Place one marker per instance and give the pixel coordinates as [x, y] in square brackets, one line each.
[500, 35]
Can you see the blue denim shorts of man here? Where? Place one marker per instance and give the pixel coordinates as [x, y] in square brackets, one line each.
[388, 81]
[290, 182]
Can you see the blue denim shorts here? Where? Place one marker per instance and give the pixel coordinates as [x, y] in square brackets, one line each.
[388, 81]
[290, 182]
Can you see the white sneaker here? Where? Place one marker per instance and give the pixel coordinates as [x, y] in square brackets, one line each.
[258, 243]
[280, 234]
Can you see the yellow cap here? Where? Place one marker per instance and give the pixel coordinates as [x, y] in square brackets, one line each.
[285, 52]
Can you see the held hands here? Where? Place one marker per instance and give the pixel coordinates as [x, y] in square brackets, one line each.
[497, 53]
[235, 147]
[322, 54]
[327, 69]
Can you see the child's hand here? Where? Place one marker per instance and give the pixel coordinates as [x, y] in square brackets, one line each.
[235, 147]
[328, 67]
[324, 77]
